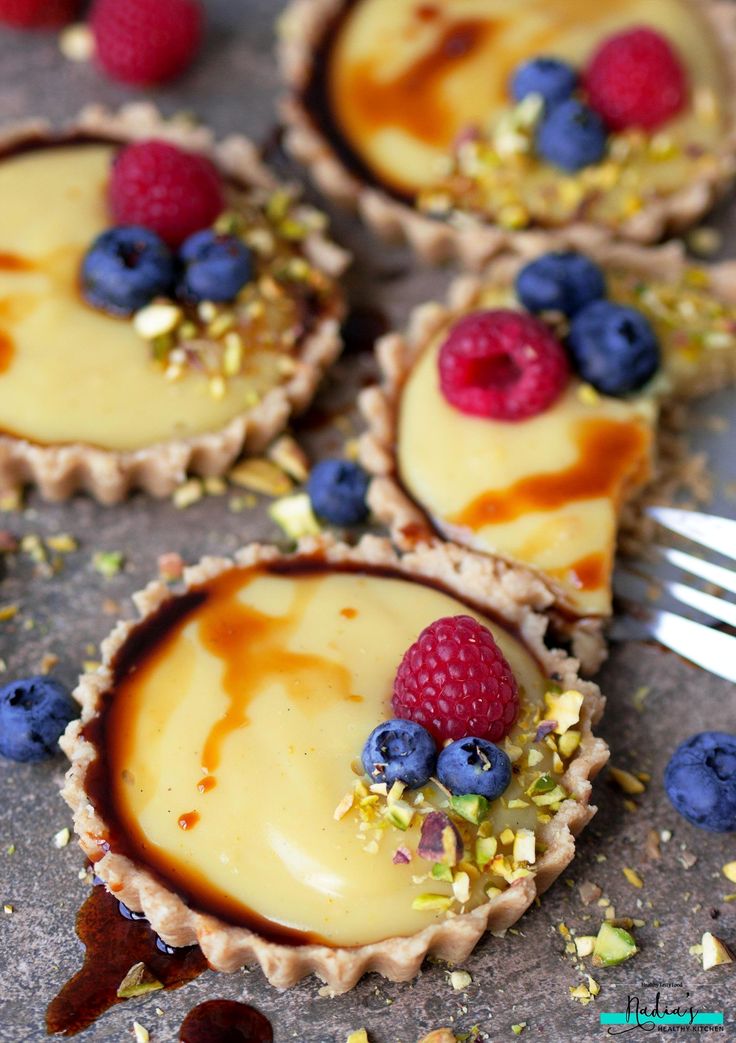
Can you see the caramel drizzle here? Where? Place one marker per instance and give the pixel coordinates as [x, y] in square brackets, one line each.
[610, 454]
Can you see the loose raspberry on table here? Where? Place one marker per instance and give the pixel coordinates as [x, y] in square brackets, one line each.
[144, 42]
[636, 79]
[455, 681]
[502, 364]
[172, 192]
[38, 14]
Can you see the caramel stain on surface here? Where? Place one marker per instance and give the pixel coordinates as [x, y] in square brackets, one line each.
[414, 99]
[206, 784]
[225, 1021]
[349, 613]
[611, 453]
[112, 946]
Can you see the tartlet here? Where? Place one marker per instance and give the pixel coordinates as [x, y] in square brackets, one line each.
[85, 401]
[402, 150]
[173, 801]
[441, 474]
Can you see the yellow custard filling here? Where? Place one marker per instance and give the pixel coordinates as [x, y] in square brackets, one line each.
[405, 77]
[229, 747]
[69, 373]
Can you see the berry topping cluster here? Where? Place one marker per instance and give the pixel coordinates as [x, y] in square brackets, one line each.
[507, 365]
[206, 285]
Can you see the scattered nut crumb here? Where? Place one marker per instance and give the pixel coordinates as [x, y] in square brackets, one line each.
[460, 980]
[108, 562]
[61, 839]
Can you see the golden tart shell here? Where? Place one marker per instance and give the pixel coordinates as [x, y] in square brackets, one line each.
[512, 594]
[303, 29]
[59, 470]
[410, 525]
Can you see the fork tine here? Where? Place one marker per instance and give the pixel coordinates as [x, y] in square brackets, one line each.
[711, 649]
[717, 608]
[722, 577]
[718, 534]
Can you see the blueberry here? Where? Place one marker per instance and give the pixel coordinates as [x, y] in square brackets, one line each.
[613, 347]
[216, 267]
[337, 489]
[474, 766]
[125, 268]
[33, 714]
[553, 79]
[560, 282]
[399, 751]
[129, 914]
[700, 780]
[571, 136]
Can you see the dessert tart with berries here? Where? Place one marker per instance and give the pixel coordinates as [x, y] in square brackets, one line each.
[456, 125]
[174, 313]
[520, 418]
[325, 808]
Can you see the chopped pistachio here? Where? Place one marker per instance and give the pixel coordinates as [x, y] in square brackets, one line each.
[485, 850]
[343, 807]
[399, 814]
[137, 982]
[61, 839]
[442, 1035]
[534, 757]
[261, 476]
[626, 781]
[140, 1033]
[460, 980]
[584, 944]
[461, 887]
[431, 901]
[470, 806]
[156, 320]
[613, 945]
[8, 909]
[524, 846]
[715, 951]
[507, 837]
[108, 562]
[569, 742]
[553, 797]
[633, 877]
[542, 784]
[517, 803]
[729, 871]
[518, 1028]
[359, 1036]
[77, 42]
[8, 612]
[63, 543]
[287, 454]
[188, 493]
[564, 708]
[440, 871]
[295, 516]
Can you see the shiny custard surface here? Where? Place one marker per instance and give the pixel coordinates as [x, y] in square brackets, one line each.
[404, 77]
[248, 708]
[69, 373]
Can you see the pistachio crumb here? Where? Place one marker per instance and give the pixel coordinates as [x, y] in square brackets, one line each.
[108, 562]
[627, 782]
[8, 612]
[61, 839]
[77, 43]
[261, 476]
[518, 1028]
[633, 877]
[460, 980]
[359, 1036]
[8, 909]
[729, 871]
[137, 982]
[188, 493]
[715, 951]
[141, 1034]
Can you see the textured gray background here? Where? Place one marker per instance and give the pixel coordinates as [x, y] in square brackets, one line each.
[524, 977]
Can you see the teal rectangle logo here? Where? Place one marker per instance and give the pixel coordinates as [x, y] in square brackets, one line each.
[701, 1018]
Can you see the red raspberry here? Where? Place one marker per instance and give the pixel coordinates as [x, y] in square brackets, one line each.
[172, 192]
[146, 41]
[455, 681]
[502, 364]
[636, 79]
[37, 14]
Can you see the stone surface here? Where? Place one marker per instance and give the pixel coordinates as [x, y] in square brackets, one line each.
[524, 977]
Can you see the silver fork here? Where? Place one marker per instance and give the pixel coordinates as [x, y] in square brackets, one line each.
[695, 639]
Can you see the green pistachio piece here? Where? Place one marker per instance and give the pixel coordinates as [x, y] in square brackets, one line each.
[137, 982]
[470, 806]
[612, 946]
